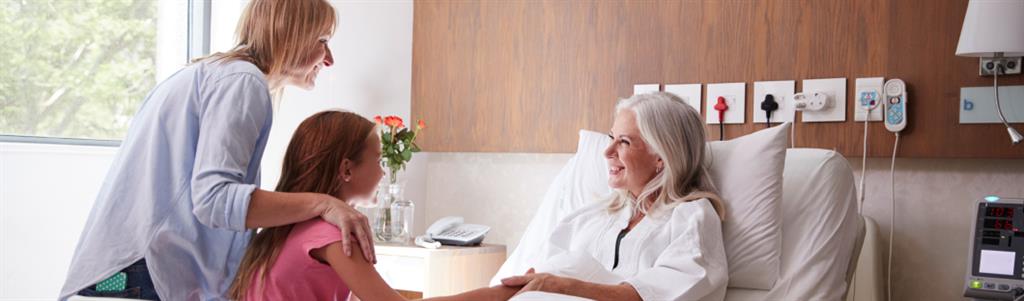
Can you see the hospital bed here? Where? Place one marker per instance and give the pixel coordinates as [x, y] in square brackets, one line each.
[824, 240]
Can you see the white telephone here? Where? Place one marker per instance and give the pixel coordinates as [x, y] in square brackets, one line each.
[452, 231]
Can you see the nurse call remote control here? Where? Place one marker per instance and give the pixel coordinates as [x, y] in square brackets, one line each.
[895, 105]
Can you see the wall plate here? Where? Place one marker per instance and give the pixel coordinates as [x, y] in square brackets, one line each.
[782, 91]
[1015, 62]
[690, 93]
[645, 88]
[835, 88]
[978, 104]
[735, 97]
[869, 83]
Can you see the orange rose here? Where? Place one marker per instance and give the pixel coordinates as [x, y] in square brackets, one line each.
[421, 125]
[393, 121]
[378, 120]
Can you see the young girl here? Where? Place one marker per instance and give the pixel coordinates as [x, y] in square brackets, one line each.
[335, 153]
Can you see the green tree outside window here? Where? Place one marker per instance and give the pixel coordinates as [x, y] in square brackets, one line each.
[75, 68]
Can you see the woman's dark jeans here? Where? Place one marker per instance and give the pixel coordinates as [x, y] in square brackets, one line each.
[138, 285]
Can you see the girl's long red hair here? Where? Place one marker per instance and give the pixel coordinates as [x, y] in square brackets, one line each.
[311, 164]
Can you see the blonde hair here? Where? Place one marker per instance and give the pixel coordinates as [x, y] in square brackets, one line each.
[273, 34]
[674, 132]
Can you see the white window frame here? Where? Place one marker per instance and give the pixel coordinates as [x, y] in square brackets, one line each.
[198, 28]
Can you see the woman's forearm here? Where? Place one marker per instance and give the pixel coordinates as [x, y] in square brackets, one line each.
[580, 288]
[497, 293]
[269, 208]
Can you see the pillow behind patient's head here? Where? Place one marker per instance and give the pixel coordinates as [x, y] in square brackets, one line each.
[748, 174]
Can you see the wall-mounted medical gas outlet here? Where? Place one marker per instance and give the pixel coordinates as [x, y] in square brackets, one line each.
[645, 88]
[834, 109]
[782, 93]
[867, 99]
[690, 93]
[1011, 65]
[978, 104]
[735, 98]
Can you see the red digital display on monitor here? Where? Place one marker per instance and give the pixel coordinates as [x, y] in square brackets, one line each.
[993, 211]
[999, 224]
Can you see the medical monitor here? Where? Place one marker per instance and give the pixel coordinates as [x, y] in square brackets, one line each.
[996, 259]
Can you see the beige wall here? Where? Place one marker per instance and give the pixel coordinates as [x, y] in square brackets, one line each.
[933, 198]
[499, 190]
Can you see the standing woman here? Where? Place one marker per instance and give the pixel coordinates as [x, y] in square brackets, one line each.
[173, 218]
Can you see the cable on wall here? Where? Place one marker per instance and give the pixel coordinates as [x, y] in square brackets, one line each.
[892, 213]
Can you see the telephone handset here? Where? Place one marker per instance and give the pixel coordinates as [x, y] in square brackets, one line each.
[452, 231]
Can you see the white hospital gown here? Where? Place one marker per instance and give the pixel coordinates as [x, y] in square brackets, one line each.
[677, 256]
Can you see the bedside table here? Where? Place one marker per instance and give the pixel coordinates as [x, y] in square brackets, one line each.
[438, 272]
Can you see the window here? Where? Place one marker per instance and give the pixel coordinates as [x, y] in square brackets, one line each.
[80, 69]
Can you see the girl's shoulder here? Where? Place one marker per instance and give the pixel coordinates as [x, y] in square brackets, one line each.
[315, 225]
[313, 234]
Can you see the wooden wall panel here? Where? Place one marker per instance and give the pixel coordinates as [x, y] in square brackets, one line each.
[525, 76]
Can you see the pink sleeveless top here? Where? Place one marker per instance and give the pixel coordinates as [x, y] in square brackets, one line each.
[296, 275]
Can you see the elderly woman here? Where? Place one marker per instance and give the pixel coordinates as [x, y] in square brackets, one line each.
[659, 236]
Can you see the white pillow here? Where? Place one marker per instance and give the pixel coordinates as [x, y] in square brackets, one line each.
[748, 174]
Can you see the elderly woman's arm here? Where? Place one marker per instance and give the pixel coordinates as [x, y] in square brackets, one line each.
[568, 286]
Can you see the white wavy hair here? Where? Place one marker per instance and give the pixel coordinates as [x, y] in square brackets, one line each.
[674, 132]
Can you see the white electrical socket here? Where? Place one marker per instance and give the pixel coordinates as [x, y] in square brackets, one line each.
[818, 102]
[834, 109]
[811, 102]
[782, 91]
[690, 93]
[645, 88]
[735, 97]
[867, 85]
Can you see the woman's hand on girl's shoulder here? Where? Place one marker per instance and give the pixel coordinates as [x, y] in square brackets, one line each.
[352, 224]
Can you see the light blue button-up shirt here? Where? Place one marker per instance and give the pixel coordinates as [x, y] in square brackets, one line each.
[178, 191]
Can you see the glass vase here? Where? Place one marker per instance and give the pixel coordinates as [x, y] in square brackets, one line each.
[385, 221]
[401, 221]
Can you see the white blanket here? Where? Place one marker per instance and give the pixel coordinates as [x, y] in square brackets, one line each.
[585, 172]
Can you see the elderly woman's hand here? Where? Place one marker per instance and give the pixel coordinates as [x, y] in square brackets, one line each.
[542, 282]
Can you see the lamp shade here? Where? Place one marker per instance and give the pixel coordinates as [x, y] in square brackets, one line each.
[992, 26]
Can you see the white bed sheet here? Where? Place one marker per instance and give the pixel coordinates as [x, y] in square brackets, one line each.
[542, 296]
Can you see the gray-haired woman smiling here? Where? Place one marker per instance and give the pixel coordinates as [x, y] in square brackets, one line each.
[659, 237]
